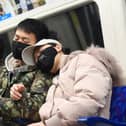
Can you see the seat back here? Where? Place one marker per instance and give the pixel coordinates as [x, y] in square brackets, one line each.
[117, 111]
[98, 121]
[118, 104]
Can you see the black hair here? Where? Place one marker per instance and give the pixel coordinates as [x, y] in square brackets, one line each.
[64, 49]
[36, 27]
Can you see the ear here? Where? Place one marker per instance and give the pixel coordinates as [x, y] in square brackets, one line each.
[58, 48]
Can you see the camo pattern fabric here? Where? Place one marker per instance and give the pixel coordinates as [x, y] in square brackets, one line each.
[36, 84]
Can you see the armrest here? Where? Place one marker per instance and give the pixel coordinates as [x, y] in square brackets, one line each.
[98, 121]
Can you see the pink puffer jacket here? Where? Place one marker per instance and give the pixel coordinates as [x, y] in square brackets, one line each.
[82, 88]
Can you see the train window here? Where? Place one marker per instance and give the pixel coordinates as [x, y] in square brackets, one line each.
[4, 47]
[78, 27]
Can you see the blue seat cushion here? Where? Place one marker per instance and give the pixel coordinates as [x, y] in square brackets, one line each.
[118, 104]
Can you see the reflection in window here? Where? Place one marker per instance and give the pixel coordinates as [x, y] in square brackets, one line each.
[79, 27]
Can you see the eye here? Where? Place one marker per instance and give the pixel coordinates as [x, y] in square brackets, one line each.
[15, 38]
[26, 40]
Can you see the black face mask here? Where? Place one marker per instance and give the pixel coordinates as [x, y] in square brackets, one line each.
[46, 60]
[17, 48]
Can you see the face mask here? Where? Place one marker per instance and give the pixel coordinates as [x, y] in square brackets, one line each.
[46, 60]
[17, 48]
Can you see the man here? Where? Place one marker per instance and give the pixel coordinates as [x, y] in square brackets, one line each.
[28, 82]
[82, 87]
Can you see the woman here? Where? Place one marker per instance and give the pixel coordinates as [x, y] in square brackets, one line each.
[82, 85]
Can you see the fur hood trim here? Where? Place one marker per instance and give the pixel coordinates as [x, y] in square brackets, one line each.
[109, 62]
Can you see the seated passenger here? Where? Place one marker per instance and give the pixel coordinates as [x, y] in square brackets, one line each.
[82, 84]
[26, 85]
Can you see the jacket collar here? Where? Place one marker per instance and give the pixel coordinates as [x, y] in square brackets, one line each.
[11, 68]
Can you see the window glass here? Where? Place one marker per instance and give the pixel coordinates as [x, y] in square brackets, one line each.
[79, 27]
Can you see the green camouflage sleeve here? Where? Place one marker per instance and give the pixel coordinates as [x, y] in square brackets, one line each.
[29, 105]
[3, 79]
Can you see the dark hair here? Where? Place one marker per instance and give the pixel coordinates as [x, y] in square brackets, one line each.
[36, 27]
[66, 50]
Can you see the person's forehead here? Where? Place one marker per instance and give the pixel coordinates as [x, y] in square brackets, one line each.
[22, 33]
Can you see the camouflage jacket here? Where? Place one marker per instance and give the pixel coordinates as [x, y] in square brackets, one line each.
[36, 85]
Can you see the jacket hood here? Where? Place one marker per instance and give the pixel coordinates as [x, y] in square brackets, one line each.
[10, 66]
[109, 61]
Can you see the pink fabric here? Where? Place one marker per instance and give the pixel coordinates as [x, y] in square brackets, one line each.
[83, 88]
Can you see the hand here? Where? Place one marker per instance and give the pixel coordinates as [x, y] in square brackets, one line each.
[37, 124]
[16, 91]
